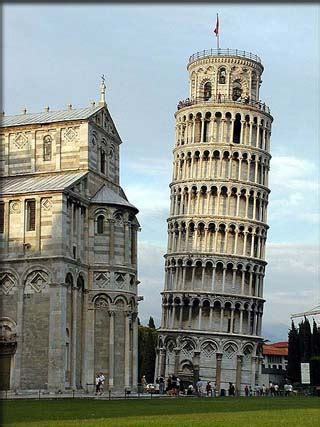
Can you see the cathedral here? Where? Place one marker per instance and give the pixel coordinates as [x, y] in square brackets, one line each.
[68, 278]
[212, 302]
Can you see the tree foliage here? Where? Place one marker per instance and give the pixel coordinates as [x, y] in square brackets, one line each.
[147, 341]
[151, 323]
[304, 347]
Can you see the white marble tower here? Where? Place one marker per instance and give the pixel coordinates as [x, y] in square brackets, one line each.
[212, 302]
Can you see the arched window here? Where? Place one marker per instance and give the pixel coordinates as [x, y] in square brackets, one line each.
[100, 224]
[237, 129]
[47, 147]
[222, 76]
[207, 91]
[102, 162]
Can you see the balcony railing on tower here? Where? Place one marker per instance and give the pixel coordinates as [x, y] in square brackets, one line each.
[223, 99]
[223, 52]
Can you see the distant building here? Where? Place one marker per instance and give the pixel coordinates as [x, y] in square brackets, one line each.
[68, 279]
[275, 361]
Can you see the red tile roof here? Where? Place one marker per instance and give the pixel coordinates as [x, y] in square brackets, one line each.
[276, 349]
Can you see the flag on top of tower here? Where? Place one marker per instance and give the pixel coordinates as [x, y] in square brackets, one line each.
[216, 30]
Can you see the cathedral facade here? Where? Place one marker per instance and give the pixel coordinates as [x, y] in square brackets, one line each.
[68, 278]
[212, 302]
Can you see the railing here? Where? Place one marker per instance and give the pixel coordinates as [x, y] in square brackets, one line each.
[222, 99]
[223, 52]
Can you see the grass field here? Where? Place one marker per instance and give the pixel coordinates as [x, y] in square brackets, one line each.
[183, 412]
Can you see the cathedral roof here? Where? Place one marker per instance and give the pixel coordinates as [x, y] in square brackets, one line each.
[107, 196]
[49, 116]
[38, 183]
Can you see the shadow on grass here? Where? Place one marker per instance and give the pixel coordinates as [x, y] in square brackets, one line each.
[16, 411]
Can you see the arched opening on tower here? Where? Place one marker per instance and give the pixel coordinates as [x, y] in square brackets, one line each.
[207, 91]
[237, 129]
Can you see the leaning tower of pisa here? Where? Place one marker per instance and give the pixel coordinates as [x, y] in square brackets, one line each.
[212, 302]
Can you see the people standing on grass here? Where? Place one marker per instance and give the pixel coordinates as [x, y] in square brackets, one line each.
[161, 384]
[231, 389]
[174, 385]
[246, 390]
[144, 383]
[100, 379]
[97, 383]
[209, 389]
[169, 385]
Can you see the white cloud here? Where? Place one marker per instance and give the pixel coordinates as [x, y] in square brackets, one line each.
[294, 184]
[291, 283]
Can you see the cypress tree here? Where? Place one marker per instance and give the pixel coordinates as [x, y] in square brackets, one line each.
[151, 323]
[305, 341]
[293, 369]
[315, 355]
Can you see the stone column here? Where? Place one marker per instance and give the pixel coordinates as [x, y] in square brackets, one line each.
[173, 315]
[184, 270]
[210, 317]
[223, 278]
[180, 315]
[253, 371]
[238, 374]
[218, 372]
[176, 360]
[250, 283]
[134, 351]
[126, 243]
[57, 331]
[231, 320]
[190, 315]
[213, 278]
[221, 319]
[74, 336]
[111, 349]
[196, 365]
[241, 320]
[88, 363]
[16, 375]
[111, 242]
[127, 351]
[162, 368]
[200, 318]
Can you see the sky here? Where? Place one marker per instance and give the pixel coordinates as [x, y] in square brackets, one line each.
[55, 55]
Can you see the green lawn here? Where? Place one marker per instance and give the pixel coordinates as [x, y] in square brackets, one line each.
[182, 412]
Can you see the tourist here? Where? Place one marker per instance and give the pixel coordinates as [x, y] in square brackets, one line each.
[174, 385]
[161, 385]
[144, 383]
[246, 390]
[214, 389]
[231, 389]
[102, 379]
[209, 389]
[169, 385]
[97, 383]
[190, 390]
[250, 390]
[276, 389]
[263, 390]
